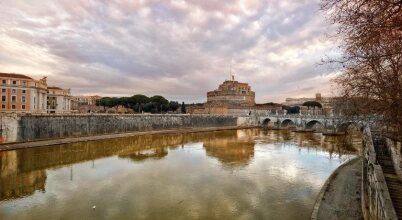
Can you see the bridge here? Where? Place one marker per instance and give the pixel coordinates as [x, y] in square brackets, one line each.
[316, 123]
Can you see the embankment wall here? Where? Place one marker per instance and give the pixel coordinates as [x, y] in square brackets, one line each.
[22, 128]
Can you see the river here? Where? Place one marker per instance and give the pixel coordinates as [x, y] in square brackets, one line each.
[234, 174]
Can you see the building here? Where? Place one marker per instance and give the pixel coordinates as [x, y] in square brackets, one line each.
[58, 100]
[20, 93]
[232, 93]
[23, 94]
[231, 97]
[86, 104]
[324, 101]
[327, 104]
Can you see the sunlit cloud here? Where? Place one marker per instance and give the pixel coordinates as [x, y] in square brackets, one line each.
[177, 48]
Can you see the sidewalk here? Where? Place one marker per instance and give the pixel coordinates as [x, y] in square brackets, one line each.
[341, 195]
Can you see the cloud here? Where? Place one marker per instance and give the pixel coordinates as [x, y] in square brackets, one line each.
[180, 49]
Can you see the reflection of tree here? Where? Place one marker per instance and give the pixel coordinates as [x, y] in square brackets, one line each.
[157, 153]
[234, 149]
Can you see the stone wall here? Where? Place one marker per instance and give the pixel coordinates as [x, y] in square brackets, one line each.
[21, 128]
[396, 153]
[376, 201]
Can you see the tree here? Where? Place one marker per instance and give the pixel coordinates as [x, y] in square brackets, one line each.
[183, 108]
[371, 33]
[139, 103]
[107, 102]
[291, 110]
[173, 106]
[312, 104]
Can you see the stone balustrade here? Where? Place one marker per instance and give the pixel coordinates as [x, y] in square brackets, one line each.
[376, 200]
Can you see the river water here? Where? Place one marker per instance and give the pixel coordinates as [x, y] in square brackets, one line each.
[236, 174]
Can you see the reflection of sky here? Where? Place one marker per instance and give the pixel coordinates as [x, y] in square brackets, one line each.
[281, 181]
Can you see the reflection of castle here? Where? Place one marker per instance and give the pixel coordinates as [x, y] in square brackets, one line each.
[231, 148]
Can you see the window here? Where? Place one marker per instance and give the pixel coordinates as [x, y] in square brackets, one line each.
[23, 99]
[14, 91]
[3, 106]
[3, 90]
[14, 82]
[22, 106]
[24, 91]
[13, 107]
[24, 83]
[13, 98]
[4, 81]
[3, 98]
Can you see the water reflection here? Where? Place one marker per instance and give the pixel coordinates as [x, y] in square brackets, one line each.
[267, 169]
[233, 149]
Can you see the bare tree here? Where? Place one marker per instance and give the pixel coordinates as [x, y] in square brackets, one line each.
[371, 32]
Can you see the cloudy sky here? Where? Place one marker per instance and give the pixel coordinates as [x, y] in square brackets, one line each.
[176, 48]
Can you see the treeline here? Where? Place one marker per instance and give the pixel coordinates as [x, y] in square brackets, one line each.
[142, 103]
[296, 109]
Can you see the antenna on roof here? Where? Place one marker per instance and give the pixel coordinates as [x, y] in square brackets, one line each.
[231, 76]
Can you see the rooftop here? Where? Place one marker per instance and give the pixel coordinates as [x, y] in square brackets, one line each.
[54, 87]
[14, 75]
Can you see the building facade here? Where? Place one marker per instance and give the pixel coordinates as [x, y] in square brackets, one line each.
[327, 104]
[20, 93]
[232, 93]
[325, 101]
[58, 100]
[23, 94]
[231, 98]
[87, 104]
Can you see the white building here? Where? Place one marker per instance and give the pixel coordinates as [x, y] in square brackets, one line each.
[59, 100]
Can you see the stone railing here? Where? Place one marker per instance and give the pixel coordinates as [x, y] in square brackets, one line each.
[395, 147]
[376, 201]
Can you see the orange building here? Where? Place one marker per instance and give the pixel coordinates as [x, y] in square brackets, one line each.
[20, 93]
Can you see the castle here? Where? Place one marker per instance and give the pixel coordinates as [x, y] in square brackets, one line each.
[231, 97]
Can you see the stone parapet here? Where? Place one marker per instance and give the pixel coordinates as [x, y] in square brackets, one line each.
[25, 127]
[376, 200]
[395, 148]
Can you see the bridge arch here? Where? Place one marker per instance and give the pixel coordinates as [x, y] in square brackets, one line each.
[287, 123]
[315, 126]
[267, 122]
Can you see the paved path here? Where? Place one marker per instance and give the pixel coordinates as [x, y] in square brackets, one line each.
[341, 198]
[14, 146]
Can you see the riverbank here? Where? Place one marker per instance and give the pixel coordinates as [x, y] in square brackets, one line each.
[39, 143]
[340, 197]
